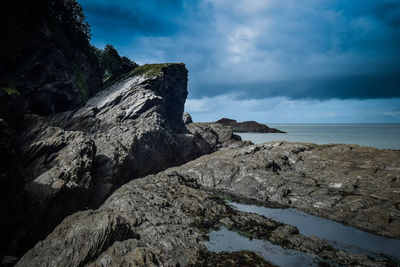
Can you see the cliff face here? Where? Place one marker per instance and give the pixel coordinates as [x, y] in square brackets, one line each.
[96, 135]
[73, 160]
[46, 61]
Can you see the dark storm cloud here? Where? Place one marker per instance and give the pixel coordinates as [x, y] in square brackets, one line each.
[121, 19]
[297, 49]
[109, 19]
[384, 85]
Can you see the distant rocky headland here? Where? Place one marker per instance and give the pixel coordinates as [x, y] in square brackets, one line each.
[100, 167]
[248, 126]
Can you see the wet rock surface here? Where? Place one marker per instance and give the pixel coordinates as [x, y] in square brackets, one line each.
[161, 220]
[355, 185]
[247, 126]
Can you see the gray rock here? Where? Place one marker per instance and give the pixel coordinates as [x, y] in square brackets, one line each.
[74, 160]
[159, 220]
[136, 125]
[216, 135]
[347, 183]
[57, 173]
[187, 118]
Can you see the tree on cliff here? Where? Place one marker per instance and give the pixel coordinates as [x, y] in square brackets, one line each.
[113, 64]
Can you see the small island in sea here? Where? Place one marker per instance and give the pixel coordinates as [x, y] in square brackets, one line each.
[101, 166]
[247, 126]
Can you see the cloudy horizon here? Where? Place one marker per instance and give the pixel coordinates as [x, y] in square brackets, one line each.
[267, 60]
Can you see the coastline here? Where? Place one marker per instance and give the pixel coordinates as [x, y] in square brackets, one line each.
[381, 136]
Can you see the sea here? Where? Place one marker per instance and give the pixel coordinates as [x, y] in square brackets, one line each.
[382, 136]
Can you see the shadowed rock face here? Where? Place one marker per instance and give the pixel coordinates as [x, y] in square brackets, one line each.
[187, 118]
[74, 160]
[160, 220]
[45, 58]
[11, 182]
[217, 136]
[247, 126]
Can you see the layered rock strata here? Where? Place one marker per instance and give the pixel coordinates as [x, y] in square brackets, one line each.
[160, 220]
[355, 185]
[73, 160]
[217, 136]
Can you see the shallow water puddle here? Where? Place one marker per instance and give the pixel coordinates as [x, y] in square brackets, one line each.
[336, 234]
[226, 240]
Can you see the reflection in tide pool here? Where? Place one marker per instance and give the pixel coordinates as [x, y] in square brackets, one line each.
[226, 240]
[337, 235]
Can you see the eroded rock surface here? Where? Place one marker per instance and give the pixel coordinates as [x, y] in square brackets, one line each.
[217, 136]
[359, 186]
[187, 118]
[73, 160]
[134, 125]
[160, 220]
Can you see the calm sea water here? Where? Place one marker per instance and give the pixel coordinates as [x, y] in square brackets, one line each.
[383, 136]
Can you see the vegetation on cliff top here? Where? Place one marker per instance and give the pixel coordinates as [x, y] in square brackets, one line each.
[11, 90]
[45, 52]
[113, 64]
[149, 70]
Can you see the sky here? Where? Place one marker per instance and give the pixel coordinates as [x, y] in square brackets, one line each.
[274, 61]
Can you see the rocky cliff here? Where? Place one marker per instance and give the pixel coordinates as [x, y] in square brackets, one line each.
[83, 161]
[73, 160]
[216, 136]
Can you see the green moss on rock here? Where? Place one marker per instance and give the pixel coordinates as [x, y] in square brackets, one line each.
[11, 90]
[149, 70]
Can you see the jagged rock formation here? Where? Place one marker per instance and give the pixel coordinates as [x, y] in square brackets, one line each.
[160, 220]
[187, 118]
[247, 126]
[74, 160]
[347, 183]
[216, 135]
[68, 163]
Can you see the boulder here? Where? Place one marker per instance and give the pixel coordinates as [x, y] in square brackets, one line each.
[187, 118]
[216, 135]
